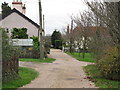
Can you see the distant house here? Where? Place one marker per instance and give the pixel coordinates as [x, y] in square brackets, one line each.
[17, 19]
[79, 34]
[90, 31]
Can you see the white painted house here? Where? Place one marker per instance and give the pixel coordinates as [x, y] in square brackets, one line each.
[17, 19]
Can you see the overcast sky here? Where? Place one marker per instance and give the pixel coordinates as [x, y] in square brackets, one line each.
[57, 12]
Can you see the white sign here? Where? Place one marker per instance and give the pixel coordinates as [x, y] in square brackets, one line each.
[22, 42]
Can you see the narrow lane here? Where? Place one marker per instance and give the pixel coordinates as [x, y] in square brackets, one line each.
[65, 72]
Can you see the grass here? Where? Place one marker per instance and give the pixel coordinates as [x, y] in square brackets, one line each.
[46, 60]
[100, 81]
[88, 57]
[26, 75]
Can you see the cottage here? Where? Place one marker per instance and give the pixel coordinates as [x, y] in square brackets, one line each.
[18, 19]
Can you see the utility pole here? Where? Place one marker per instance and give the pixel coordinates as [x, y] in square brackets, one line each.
[71, 25]
[71, 37]
[1, 31]
[40, 31]
[43, 22]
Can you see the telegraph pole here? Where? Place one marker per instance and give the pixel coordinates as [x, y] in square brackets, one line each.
[71, 25]
[71, 37]
[43, 22]
[40, 31]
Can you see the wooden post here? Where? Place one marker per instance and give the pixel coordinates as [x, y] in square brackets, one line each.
[0, 59]
[40, 31]
[71, 37]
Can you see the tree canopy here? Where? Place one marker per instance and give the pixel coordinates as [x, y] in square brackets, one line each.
[6, 9]
[56, 39]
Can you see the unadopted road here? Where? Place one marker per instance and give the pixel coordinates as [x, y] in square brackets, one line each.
[65, 72]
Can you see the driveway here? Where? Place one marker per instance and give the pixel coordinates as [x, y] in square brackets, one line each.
[65, 72]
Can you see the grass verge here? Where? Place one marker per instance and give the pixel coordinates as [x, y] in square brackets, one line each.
[26, 76]
[88, 57]
[46, 60]
[95, 76]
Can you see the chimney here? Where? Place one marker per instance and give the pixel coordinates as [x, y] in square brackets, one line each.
[17, 4]
[24, 9]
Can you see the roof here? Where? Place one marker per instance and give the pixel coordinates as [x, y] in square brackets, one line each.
[91, 30]
[25, 17]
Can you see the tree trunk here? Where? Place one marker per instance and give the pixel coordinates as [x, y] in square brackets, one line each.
[70, 45]
[83, 52]
[70, 48]
[79, 51]
[119, 32]
[84, 47]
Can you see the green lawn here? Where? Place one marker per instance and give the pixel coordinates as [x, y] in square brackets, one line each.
[88, 57]
[100, 81]
[46, 60]
[26, 75]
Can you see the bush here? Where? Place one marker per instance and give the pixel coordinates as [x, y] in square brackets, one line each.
[109, 64]
[9, 58]
[19, 33]
[27, 53]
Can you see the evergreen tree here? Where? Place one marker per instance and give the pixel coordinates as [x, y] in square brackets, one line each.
[56, 39]
[6, 10]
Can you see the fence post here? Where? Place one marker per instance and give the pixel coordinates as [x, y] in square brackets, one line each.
[0, 59]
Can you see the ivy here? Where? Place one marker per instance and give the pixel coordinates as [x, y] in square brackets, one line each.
[19, 33]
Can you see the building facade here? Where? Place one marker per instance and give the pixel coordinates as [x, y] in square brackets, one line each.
[17, 19]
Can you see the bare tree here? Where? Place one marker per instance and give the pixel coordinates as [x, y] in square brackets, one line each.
[83, 23]
[69, 39]
[107, 15]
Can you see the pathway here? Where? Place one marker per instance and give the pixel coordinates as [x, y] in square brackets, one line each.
[65, 72]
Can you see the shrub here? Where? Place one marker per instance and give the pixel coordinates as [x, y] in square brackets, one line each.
[9, 58]
[109, 64]
[19, 33]
[36, 43]
[27, 53]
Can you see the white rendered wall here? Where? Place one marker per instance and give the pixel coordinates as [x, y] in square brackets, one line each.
[16, 21]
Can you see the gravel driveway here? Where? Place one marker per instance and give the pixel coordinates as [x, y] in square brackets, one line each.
[65, 72]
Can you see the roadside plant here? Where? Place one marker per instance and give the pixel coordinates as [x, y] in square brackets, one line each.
[36, 43]
[9, 59]
[109, 64]
[19, 33]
